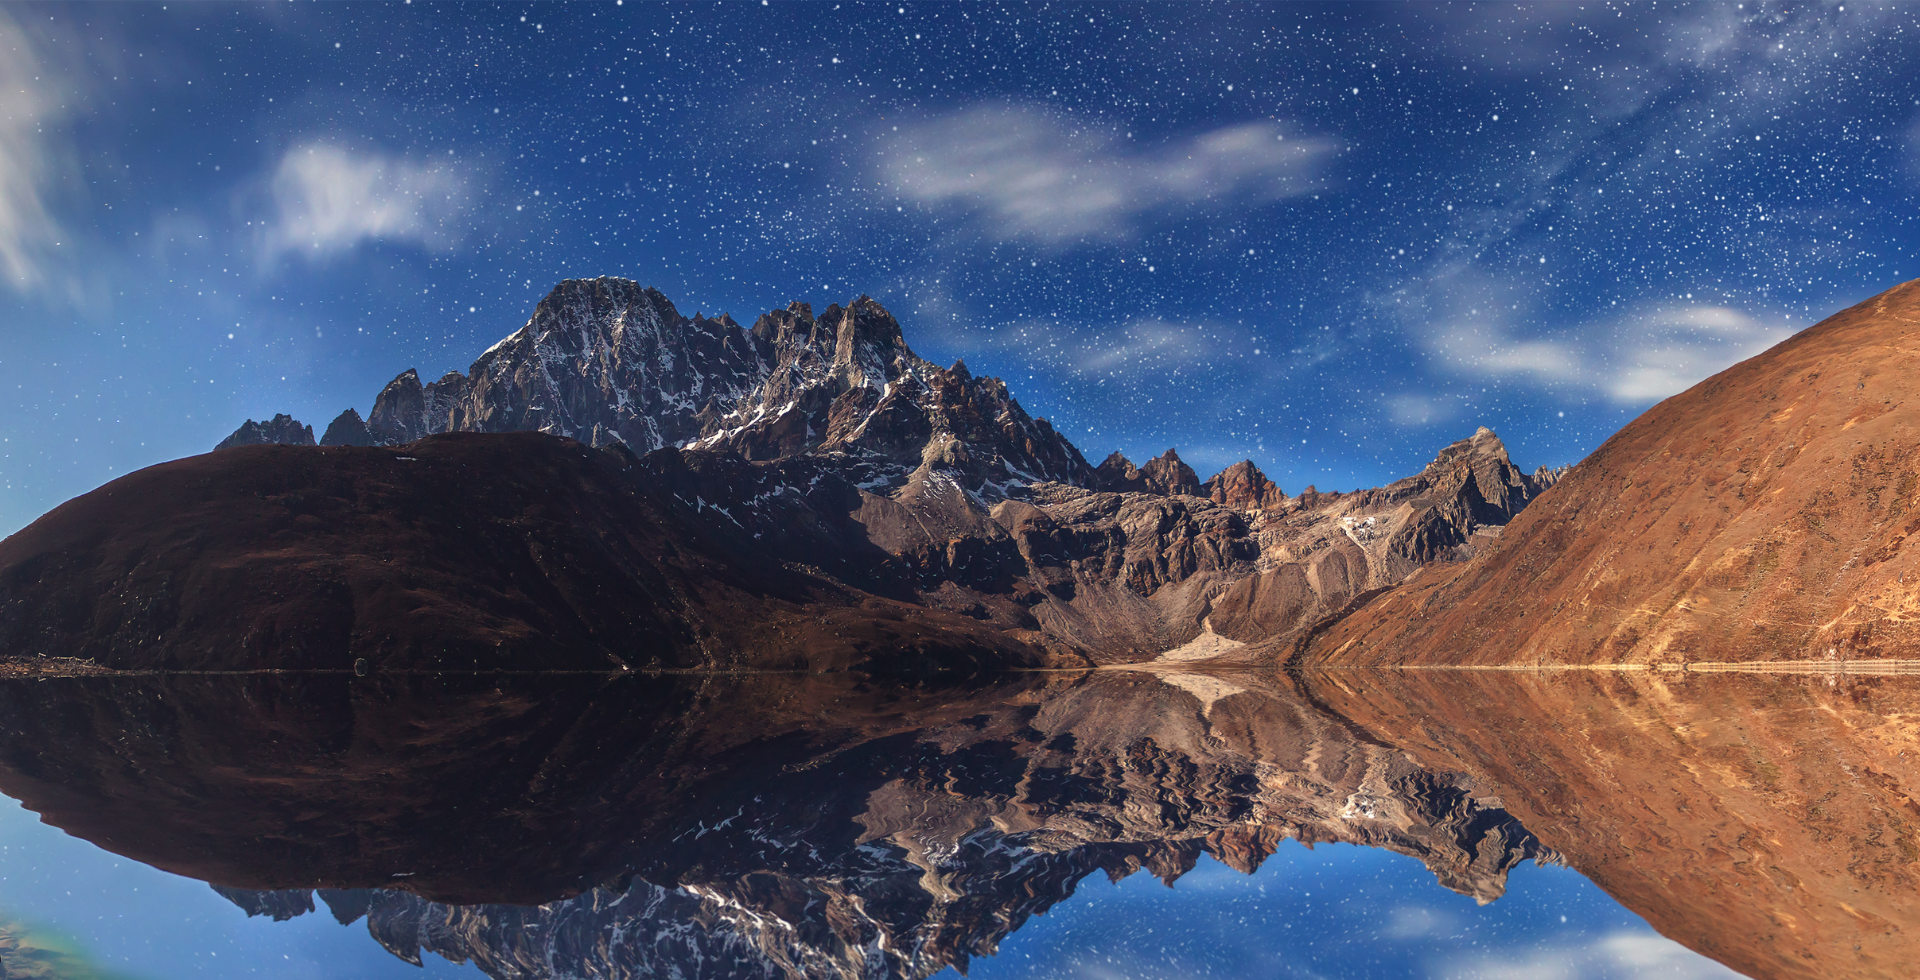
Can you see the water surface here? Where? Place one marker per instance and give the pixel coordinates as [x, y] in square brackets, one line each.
[1026, 826]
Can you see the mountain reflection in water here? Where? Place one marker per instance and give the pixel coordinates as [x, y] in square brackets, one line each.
[772, 825]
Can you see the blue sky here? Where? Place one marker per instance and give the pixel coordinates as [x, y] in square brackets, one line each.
[1328, 238]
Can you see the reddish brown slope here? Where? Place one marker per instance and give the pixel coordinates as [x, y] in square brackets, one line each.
[1764, 514]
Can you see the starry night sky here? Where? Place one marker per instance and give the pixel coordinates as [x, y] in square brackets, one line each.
[1329, 238]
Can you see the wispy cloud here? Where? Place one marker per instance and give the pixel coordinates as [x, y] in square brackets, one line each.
[1418, 921]
[30, 102]
[330, 198]
[1413, 410]
[1144, 347]
[1521, 39]
[1043, 176]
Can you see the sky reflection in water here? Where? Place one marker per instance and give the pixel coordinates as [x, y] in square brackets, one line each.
[127, 920]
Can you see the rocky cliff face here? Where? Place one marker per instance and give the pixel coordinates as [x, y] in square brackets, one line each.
[850, 832]
[848, 384]
[1763, 514]
[600, 360]
[1165, 474]
[1243, 487]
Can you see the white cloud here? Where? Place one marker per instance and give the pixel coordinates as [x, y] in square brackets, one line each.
[29, 103]
[1615, 956]
[1641, 357]
[330, 199]
[1038, 175]
[1488, 346]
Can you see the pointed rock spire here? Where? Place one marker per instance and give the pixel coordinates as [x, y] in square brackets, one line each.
[1117, 474]
[1169, 475]
[347, 429]
[399, 411]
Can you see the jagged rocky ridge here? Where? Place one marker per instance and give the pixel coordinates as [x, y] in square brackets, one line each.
[718, 827]
[281, 430]
[956, 499]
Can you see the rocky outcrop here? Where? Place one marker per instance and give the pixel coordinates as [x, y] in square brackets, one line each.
[281, 431]
[1763, 514]
[600, 360]
[1319, 554]
[347, 429]
[278, 905]
[1165, 474]
[848, 383]
[1243, 487]
[852, 830]
[406, 410]
[1122, 576]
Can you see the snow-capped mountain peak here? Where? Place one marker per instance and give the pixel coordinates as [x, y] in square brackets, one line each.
[608, 361]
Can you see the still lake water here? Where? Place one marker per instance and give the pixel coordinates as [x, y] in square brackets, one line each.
[1334, 911]
[1023, 827]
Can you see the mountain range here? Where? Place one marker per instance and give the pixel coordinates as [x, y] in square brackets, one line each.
[618, 485]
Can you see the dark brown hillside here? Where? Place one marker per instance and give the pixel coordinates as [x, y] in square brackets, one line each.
[463, 552]
[1767, 513]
